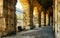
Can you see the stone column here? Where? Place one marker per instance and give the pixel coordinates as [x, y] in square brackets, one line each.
[31, 17]
[56, 18]
[8, 13]
[31, 13]
[42, 19]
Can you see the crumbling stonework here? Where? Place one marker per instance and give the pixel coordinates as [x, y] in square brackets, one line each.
[7, 17]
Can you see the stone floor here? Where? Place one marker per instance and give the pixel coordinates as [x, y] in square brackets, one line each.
[45, 32]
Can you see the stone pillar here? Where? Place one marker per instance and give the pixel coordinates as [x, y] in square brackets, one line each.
[42, 19]
[39, 15]
[31, 16]
[7, 17]
[57, 18]
[11, 16]
[31, 7]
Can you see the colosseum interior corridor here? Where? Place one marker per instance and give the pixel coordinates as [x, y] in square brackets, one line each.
[33, 15]
[28, 17]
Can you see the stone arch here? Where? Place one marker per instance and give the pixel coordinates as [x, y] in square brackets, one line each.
[25, 9]
[35, 17]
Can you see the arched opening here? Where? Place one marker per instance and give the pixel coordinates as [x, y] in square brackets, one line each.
[35, 17]
[33, 14]
[30, 15]
[19, 14]
[22, 12]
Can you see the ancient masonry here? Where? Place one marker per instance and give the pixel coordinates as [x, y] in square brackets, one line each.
[25, 8]
[7, 17]
[57, 18]
[33, 14]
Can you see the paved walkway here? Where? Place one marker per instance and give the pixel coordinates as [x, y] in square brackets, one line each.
[45, 32]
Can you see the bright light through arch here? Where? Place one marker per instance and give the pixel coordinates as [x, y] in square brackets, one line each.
[18, 5]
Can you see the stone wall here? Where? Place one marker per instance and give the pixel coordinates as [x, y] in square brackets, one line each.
[7, 17]
[57, 18]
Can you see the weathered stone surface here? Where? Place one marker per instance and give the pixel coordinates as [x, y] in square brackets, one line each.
[57, 18]
[7, 17]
